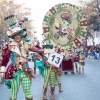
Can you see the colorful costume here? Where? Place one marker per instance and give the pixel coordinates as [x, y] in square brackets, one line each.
[75, 60]
[81, 63]
[49, 72]
[62, 52]
[15, 61]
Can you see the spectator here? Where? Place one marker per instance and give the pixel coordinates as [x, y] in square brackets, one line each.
[97, 52]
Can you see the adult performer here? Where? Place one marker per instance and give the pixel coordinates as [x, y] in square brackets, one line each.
[16, 52]
[50, 73]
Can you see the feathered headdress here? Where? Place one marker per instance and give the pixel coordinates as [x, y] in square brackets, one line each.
[15, 25]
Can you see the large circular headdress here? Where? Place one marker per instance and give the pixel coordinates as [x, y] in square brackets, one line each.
[65, 26]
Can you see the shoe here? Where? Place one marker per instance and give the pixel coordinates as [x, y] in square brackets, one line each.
[60, 90]
[29, 99]
[52, 97]
[44, 98]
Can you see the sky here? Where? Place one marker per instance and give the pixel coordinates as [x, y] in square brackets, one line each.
[39, 9]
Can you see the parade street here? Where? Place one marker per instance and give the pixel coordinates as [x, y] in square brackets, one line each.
[75, 86]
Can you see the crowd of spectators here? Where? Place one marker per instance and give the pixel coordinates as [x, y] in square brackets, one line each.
[93, 52]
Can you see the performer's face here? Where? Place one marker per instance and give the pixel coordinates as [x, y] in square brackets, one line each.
[17, 38]
[38, 56]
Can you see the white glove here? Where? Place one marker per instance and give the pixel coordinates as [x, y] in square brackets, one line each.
[2, 69]
[2, 75]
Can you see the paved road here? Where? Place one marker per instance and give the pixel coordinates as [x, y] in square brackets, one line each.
[76, 87]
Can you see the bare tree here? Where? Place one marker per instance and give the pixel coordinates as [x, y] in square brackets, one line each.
[90, 10]
[7, 7]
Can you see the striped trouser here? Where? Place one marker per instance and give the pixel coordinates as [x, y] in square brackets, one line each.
[58, 79]
[20, 78]
[51, 78]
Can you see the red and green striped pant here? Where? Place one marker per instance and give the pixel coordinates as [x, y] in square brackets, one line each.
[52, 78]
